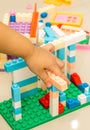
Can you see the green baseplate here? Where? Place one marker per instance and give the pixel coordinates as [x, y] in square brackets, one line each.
[33, 112]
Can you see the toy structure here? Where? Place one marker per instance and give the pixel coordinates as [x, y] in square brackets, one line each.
[30, 105]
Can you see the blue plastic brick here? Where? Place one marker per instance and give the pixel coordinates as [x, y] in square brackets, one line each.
[14, 65]
[61, 54]
[17, 111]
[12, 18]
[72, 103]
[48, 24]
[83, 86]
[68, 76]
[72, 47]
[49, 39]
[71, 59]
[41, 20]
[27, 81]
[49, 32]
[53, 89]
[62, 96]
[16, 96]
[43, 14]
[29, 93]
[88, 97]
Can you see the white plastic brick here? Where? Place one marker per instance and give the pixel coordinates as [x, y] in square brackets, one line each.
[57, 31]
[41, 33]
[82, 98]
[54, 106]
[17, 117]
[87, 89]
[74, 38]
[21, 74]
[16, 104]
[69, 40]
[40, 25]
[71, 53]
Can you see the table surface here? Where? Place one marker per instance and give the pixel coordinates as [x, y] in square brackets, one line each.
[78, 120]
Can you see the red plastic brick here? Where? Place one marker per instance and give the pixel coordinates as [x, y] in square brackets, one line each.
[61, 108]
[75, 78]
[44, 101]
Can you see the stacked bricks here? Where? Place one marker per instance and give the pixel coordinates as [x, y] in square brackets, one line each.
[24, 84]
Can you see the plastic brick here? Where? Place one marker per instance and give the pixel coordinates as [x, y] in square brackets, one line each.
[53, 89]
[27, 81]
[17, 111]
[29, 93]
[61, 54]
[16, 92]
[75, 78]
[72, 103]
[83, 86]
[14, 65]
[43, 14]
[21, 27]
[67, 18]
[22, 74]
[82, 98]
[44, 102]
[62, 96]
[87, 97]
[72, 47]
[61, 108]
[71, 59]
[49, 32]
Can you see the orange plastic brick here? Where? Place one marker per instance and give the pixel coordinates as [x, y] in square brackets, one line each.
[34, 22]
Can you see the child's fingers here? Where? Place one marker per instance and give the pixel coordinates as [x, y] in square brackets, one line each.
[57, 71]
[60, 63]
[44, 76]
[65, 78]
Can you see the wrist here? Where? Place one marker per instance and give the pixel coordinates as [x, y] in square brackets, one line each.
[29, 51]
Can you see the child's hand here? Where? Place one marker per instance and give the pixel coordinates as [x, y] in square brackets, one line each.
[49, 47]
[42, 61]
